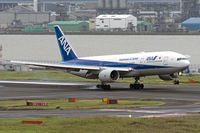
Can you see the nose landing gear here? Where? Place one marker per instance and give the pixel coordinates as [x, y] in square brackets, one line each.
[176, 82]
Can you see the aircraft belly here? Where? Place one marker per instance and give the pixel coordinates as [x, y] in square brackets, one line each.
[160, 71]
[148, 72]
[134, 73]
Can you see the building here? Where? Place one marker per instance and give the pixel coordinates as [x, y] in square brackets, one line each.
[192, 24]
[69, 26]
[25, 18]
[33, 29]
[92, 24]
[190, 8]
[144, 26]
[116, 22]
[112, 7]
[21, 16]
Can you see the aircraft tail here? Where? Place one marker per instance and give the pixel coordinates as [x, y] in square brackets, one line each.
[66, 50]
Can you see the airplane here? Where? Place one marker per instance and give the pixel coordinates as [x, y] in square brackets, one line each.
[109, 68]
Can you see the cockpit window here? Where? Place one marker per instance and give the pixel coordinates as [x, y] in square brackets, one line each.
[178, 59]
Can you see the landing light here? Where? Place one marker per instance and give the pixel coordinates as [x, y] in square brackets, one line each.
[179, 73]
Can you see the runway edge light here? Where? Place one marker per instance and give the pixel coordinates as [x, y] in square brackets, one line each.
[112, 101]
[104, 99]
[71, 100]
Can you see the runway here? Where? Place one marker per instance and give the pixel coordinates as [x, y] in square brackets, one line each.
[181, 100]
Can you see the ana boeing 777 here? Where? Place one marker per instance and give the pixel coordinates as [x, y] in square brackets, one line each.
[110, 68]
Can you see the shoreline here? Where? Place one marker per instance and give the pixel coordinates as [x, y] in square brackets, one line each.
[102, 33]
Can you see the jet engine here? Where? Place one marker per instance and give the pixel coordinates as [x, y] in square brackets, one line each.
[168, 77]
[109, 75]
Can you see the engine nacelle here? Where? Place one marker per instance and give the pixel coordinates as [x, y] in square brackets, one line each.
[85, 74]
[109, 75]
[168, 77]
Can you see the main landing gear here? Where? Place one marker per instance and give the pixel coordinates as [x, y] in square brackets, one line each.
[104, 86]
[137, 85]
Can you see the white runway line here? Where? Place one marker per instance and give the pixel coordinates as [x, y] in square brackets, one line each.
[136, 111]
[22, 97]
[149, 111]
[42, 83]
[165, 115]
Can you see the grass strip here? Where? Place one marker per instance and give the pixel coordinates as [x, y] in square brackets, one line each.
[102, 125]
[79, 104]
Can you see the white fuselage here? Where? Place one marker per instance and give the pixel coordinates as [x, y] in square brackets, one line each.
[147, 63]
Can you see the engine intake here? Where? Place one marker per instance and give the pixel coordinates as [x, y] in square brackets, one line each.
[108, 75]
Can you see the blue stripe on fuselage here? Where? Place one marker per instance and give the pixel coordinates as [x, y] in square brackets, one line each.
[84, 62]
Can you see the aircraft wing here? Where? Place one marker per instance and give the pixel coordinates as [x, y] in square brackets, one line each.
[73, 66]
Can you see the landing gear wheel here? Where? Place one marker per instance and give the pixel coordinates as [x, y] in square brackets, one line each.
[137, 86]
[142, 86]
[98, 86]
[131, 86]
[176, 82]
[104, 87]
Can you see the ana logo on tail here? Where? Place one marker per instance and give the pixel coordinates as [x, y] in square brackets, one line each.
[64, 44]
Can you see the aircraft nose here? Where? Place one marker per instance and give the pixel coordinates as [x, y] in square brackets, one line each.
[186, 63]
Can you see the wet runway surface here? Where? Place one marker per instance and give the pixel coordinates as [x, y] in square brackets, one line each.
[181, 100]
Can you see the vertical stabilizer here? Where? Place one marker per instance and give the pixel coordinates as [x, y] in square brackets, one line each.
[66, 50]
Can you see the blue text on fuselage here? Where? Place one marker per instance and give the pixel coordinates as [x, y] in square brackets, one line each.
[151, 58]
[126, 59]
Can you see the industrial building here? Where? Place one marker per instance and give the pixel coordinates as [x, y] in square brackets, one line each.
[116, 22]
[92, 24]
[144, 26]
[17, 18]
[14, 21]
[33, 29]
[164, 15]
[112, 7]
[190, 8]
[191, 24]
[69, 26]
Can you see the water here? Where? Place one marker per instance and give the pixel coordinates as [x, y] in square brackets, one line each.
[44, 47]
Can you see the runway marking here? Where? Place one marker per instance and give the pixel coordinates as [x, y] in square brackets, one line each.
[165, 115]
[123, 116]
[22, 97]
[149, 111]
[42, 83]
[116, 110]
[136, 111]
